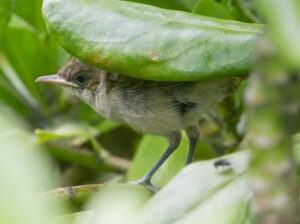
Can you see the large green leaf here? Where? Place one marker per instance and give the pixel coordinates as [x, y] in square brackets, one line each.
[200, 193]
[24, 171]
[151, 43]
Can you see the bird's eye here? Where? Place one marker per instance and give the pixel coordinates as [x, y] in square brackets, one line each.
[81, 79]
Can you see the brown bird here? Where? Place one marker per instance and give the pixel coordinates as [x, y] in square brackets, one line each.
[159, 108]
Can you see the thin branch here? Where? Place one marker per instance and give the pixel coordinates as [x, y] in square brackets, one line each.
[87, 158]
[77, 195]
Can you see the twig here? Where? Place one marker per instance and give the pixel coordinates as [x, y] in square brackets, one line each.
[73, 198]
[86, 158]
[77, 194]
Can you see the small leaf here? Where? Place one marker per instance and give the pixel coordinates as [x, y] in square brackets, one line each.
[66, 130]
[213, 9]
[182, 5]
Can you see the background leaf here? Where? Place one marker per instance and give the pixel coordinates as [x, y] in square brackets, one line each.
[213, 9]
[5, 13]
[25, 161]
[283, 18]
[182, 5]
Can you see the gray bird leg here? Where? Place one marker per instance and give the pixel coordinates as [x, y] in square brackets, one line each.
[193, 135]
[174, 141]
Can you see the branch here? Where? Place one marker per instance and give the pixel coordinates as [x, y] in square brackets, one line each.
[74, 197]
[77, 194]
[87, 158]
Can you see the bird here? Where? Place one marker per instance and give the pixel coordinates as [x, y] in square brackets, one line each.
[152, 107]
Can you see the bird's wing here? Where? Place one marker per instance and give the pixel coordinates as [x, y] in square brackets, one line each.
[209, 91]
[141, 85]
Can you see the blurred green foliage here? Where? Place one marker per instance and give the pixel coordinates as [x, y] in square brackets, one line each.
[283, 18]
[50, 139]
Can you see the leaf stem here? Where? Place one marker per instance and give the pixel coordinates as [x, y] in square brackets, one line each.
[86, 158]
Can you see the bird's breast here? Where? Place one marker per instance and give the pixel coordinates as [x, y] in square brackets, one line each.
[146, 112]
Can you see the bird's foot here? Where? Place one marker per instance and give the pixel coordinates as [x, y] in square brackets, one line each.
[146, 183]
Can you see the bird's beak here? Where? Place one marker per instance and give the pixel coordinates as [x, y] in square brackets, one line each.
[54, 79]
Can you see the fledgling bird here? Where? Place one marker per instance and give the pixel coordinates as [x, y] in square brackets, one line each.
[159, 108]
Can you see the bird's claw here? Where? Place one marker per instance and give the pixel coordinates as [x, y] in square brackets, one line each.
[146, 183]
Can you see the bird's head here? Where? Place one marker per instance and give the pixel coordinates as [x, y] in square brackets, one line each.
[78, 78]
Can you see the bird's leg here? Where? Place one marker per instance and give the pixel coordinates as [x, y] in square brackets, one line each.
[193, 135]
[174, 141]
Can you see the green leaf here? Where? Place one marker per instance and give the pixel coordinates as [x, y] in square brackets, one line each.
[283, 19]
[296, 147]
[149, 151]
[80, 134]
[11, 97]
[107, 126]
[213, 9]
[24, 66]
[9, 119]
[30, 12]
[21, 165]
[11, 79]
[71, 218]
[23, 61]
[248, 10]
[5, 13]
[151, 43]
[200, 193]
[66, 130]
[182, 5]
[117, 204]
